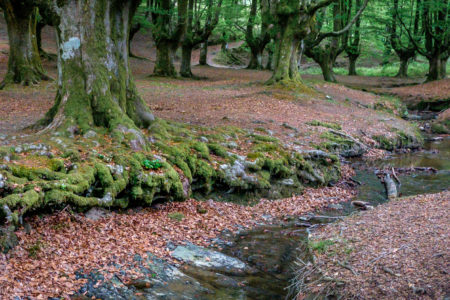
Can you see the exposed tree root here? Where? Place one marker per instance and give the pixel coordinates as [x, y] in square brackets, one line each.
[97, 169]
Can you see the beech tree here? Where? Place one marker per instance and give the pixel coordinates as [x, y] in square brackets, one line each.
[258, 42]
[293, 19]
[325, 54]
[352, 38]
[139, 21]
[405, 50]
[167, 31]
[198, 30]
[24, 63]
[95, 85]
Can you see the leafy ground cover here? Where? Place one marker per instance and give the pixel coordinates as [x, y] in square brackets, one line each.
[399, 250]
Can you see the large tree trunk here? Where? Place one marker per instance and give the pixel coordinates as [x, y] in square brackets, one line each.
[95, 86]
[255, 59]
[284, 50]
[443, 72]
[403, 69]
[24, 64]
[204, 54]
[164, 60]
[186, 55]
[269, 59]
[352, 65]
[435, 68]
[326, 65]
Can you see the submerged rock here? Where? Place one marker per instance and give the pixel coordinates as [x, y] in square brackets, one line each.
[206, 258]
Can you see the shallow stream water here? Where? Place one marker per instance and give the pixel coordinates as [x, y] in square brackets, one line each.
[272, 249]
[268, 252]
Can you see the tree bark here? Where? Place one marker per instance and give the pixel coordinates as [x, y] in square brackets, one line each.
[255, 59]
[164, 60]
[204, 54]
[443, 72]
[284, 50]
[435, 68]
[24, 63]
[269, 59]
[167, 40]
[95, 86]
[352, 65]
[186, 55]
[403, 69]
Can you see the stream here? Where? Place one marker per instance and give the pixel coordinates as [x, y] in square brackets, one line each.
[258, 263]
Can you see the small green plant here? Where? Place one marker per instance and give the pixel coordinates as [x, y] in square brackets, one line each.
[321, 246]
[151, 164]
[177, 216]
[34, 249]
[325, 124]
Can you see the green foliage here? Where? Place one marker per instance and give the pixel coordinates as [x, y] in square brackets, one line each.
[176, 216]
[35, 249]
[439, 128]
[321, 246]
[151, 164]
[325, 124]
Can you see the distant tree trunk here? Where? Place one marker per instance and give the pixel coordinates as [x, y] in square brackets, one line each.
[166, 40]
[435, 68]
[39, 27]
[269, 59]
[204, 54]
[293, 65]
[186, 55]
[326, 65]
[95, 86]
[403, 69]
[24, 63]
[164, 60]
[255, 59]
[352, 64]
[443, 72]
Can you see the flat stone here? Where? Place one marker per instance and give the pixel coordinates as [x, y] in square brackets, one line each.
[206, 258]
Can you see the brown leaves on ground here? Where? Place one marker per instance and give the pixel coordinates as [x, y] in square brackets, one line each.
[400, 250]
[45, 261]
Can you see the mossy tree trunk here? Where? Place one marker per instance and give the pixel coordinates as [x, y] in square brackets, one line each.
[443, 72]
[351, 41]
[167, 37]
[259, 42]
[196, 32]
[24, 63]
[352, 65]
[95, 86]
[186, 56]
[204, 53]
[404, 52]
[294, 24]
[403, 69]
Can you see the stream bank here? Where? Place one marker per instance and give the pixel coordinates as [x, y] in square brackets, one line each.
[259, 263]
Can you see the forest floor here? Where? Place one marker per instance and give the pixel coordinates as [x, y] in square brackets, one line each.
[45, 261]
[399, 250]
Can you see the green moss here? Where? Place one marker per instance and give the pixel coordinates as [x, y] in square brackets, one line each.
[325, 124]
[56, 165]
[263, 138]
[201, 148]
[384, 142]
[218, 150]
[439, 129]
[176, 216]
